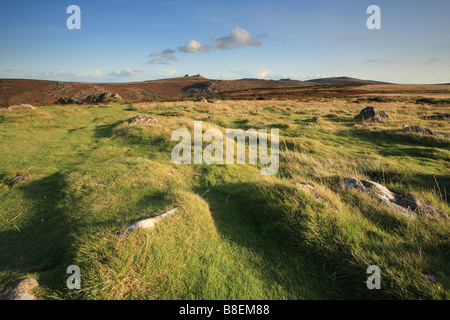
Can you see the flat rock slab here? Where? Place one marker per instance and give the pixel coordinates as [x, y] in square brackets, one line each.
[19, 290]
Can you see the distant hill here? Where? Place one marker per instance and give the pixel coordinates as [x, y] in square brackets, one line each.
[344, 81]
[39, 92]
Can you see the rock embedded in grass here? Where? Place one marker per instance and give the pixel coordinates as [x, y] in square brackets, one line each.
[424, 131]
[419, 205]
[408, 205]
[18, 179]
[377, 192]
[431, 278]
[417, 129]
[19, 107]
[370, 113]
[313, 119]
[259, 124]
[147, 223]
[383, 114]
[142, 119]
[309, 188]
[19, 290]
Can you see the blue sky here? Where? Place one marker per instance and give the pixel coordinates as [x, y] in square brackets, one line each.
[137, 40]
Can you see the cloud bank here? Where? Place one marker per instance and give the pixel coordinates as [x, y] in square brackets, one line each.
[97, 74]
[125, 73]
[65, 74]
[167, 72]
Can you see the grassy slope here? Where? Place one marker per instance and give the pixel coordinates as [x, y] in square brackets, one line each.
[238, 235]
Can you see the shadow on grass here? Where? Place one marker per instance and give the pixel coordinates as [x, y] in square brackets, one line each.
[42, 240]
[416, 152]
[347, 121]
[106, 130]
[327, 269]
[39, 245]
[303, 272]
[76, 129]
[389, 223]
[394, 138]
[145, 142]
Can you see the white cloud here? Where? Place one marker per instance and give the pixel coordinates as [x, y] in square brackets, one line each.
[263, 73]
[193, 46]
[125, 72]
[166, 72]
[238, 37]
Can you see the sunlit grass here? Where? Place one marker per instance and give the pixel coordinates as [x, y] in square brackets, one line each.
[237, 234]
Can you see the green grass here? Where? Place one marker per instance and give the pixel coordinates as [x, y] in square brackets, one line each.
[237, 234]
